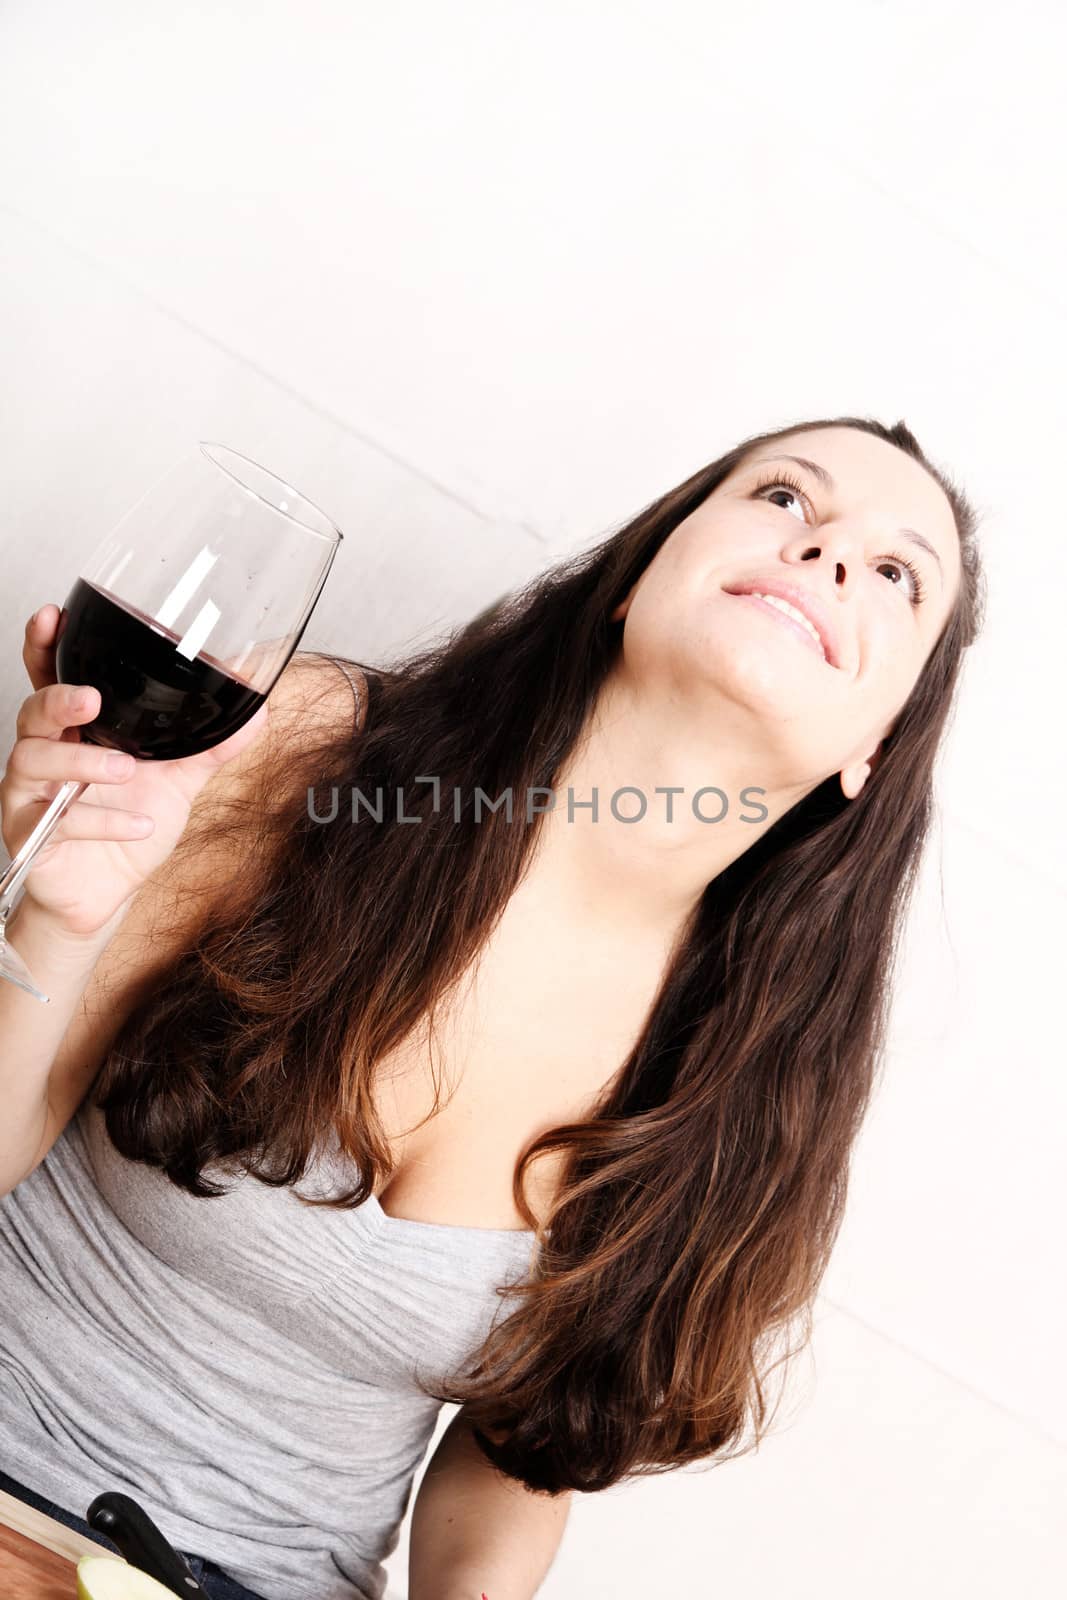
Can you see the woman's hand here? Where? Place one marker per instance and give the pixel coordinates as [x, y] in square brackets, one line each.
[125, 824]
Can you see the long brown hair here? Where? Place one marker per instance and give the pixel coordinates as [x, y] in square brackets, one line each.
[700, 1202]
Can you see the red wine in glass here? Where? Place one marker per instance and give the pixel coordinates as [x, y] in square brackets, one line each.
[156, 702]
[183, 619]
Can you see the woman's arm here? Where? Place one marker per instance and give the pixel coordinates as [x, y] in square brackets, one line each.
[475, 1531]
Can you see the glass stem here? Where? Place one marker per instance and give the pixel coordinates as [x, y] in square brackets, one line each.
[23, 859]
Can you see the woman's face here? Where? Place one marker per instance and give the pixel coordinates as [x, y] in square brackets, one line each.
[840, 549]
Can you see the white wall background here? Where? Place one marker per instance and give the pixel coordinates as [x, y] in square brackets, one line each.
[482, 279]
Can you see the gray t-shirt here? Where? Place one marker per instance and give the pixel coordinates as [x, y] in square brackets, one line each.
[242, 1366]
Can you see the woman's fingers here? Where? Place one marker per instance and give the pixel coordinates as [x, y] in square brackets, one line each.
[39, 646]
[84, 820]
[48, 750]
[36, 760]
[55, 708]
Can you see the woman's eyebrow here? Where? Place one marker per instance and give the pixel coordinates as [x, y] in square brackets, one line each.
[827, 481]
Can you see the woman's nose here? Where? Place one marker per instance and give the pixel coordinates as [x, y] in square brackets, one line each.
[836, 549]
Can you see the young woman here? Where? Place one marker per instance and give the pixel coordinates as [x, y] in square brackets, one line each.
[247, 1249]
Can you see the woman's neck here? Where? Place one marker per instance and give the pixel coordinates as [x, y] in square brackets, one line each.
[645, 877]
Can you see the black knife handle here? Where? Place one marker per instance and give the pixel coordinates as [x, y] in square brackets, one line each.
[129, 1526]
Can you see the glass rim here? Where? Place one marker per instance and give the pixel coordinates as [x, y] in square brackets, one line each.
[212, 451]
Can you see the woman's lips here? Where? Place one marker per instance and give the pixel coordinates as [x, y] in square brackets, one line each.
[796, 628]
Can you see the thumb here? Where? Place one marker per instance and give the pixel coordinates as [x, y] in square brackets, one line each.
[209, 761]
[240, 741]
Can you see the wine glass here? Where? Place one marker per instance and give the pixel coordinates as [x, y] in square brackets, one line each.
[183, 618]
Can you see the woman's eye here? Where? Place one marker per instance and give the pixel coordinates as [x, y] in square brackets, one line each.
[791, 496]
[791, 492]
[903, 568]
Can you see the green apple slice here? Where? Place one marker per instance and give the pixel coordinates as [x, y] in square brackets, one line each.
[106, 1578]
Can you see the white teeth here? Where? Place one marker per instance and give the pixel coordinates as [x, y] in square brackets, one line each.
[791, 611]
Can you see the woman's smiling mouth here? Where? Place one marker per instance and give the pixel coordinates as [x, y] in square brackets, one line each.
[801, 628]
